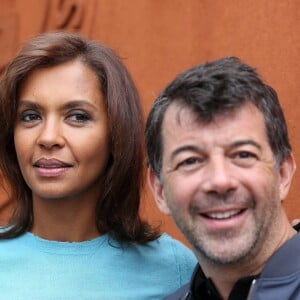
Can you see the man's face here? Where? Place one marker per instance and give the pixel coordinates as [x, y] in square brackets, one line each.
[220, 183]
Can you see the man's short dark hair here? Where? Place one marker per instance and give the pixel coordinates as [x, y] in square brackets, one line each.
[215, 88]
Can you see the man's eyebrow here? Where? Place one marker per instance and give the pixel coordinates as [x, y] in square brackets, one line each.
[246, 142]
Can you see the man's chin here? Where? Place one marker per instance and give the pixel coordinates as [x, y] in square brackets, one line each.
[228, 253]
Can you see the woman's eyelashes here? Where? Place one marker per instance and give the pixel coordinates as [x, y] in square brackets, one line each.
[29, 116]
[76, 117]
[79, 116]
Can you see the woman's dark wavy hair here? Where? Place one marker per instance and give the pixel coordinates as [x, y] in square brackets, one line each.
[117, 210]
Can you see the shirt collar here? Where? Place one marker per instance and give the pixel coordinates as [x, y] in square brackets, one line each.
[204, 288]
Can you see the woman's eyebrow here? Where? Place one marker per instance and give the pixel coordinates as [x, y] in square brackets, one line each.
[28, 104]
[69, 105]
[78, 103]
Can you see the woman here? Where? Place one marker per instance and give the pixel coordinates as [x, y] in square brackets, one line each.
[71, 148]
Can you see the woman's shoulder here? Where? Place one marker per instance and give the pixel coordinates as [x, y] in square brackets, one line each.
[180, 251]
[173, 256]
[168, 250]
[9, 245]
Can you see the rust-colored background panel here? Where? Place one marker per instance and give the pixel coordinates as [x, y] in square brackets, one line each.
[158, 39]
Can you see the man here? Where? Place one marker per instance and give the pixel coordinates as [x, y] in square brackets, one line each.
[221, 166]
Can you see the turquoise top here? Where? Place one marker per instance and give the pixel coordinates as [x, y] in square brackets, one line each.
[38, 269]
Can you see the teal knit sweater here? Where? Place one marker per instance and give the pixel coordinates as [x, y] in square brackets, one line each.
[32, 268]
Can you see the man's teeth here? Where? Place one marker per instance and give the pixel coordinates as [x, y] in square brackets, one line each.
[223, 215]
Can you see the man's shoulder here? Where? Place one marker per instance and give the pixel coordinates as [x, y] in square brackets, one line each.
[285, 260]
[281, 275]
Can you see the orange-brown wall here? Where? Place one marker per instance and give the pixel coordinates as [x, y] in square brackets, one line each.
[158, 39]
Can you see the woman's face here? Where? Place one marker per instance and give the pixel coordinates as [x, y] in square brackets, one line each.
[61, 133]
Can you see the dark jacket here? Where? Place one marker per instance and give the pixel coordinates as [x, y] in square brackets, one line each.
[279, 280]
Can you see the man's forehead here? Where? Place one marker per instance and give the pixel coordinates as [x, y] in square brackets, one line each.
[180, 113]
[182, 120]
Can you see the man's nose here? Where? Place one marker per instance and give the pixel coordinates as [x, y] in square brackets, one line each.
[219, 176]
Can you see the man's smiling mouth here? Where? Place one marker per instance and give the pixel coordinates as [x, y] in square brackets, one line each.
[223, 215]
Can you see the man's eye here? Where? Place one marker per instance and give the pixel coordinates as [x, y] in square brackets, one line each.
[245, 158]
[245, 154]
[189, 163]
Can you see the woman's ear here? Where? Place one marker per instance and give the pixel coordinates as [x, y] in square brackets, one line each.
[157, 190]
[286, 172]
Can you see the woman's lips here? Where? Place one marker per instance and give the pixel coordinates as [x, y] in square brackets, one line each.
[51, 167]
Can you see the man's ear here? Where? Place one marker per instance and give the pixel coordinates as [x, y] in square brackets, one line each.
[286, 172]
[157, 191]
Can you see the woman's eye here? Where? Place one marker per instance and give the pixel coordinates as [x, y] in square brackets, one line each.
[79, 117]
[29, 116]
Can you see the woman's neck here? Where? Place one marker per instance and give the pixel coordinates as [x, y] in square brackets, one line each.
[72, 219]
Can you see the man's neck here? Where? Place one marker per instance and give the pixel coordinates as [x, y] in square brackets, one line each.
[224, 278]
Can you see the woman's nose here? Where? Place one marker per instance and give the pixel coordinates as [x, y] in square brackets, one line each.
[51, 134]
